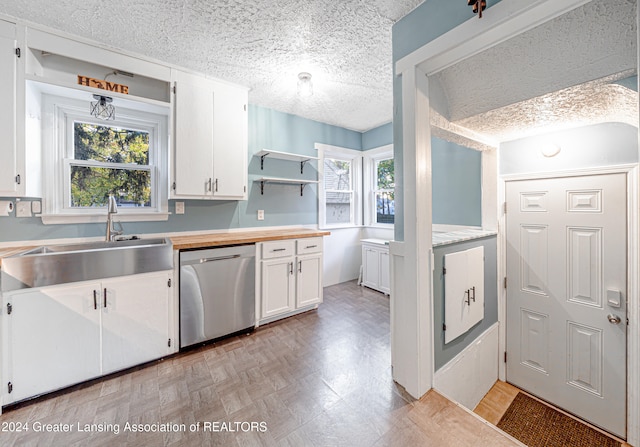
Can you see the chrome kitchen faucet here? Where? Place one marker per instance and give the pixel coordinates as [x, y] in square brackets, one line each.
[112, 209]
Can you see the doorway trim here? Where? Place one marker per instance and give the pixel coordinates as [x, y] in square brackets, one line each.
[412, 345]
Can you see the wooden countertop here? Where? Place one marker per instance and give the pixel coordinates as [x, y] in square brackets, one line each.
[242, 237]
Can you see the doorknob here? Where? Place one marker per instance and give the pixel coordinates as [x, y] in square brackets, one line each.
[613, 319]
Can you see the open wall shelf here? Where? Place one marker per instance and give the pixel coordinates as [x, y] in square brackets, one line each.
[283, 181]
[302, 159]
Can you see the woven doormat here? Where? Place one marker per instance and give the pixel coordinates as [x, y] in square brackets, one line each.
[537, 425]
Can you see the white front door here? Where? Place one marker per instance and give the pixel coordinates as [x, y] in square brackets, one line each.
[566, 294]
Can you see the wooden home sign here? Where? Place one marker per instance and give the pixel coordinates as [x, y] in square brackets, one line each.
[104, 85]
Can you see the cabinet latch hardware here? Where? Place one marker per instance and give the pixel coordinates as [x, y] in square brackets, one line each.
[18, 179]
[444, 327]
[505, 356]
[9, 308]
[10, 387]
[18, 52]
[174, 186]
[169, 283]
[169, 343]
[505, 282]
[444, 270]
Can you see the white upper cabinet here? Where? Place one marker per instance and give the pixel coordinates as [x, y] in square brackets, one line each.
[9, 172]
[210, 145]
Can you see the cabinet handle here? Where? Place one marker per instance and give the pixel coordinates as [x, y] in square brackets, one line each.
[278, 249]
[216, 185]
[105, 297]
[473, 297]
[95, 299]
[311, 246]
[291, 268]
[299, 266]
[468, 294]
[209, 183]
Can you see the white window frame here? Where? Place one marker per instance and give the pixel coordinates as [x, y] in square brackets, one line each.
[355, 157]
[371, 158]
[59, 115]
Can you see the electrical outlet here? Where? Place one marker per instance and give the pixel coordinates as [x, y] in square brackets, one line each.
[179, 207]
[260, 214]
[23, 209]
[36, 207]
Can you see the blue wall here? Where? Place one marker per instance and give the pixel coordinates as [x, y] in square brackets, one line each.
[425, 23]
[268, 129]
[379, 136]
[457, 184]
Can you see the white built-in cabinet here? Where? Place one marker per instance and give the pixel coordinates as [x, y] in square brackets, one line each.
[61, 335]
[290, 277]
[463, 291]
[375, 265]
[10, 174]
[210, 153]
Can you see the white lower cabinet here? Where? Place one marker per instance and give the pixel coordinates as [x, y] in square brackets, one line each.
[61, 335]
[291, 277]
[375, 265]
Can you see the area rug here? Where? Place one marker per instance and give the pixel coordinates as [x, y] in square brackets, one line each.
[537, 425]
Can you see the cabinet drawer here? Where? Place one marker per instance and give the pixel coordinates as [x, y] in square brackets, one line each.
[278, 249]
[309, 245]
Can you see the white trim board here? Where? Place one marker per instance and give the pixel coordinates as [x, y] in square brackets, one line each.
[470, 375]
[503, 21]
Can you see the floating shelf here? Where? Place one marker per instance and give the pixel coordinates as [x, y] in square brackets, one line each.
[284, 181]
[302, 159]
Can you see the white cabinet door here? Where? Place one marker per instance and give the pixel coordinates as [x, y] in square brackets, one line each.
[8, 64]
[370, 267]
[277, 286]
[193, 119]
[229, 141]
[309, 280]
[211, 133]
[385, 274]
[52, 338]
[135, 320]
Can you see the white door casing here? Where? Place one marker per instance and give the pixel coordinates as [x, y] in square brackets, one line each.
[566, 265]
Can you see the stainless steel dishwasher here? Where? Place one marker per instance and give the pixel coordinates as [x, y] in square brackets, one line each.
[217, 293]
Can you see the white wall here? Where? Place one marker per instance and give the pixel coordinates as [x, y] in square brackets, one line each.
[343, 252]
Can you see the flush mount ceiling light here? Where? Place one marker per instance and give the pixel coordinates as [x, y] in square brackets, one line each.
[550, 150]
[478, 6]
[102, 108]
[305, 86]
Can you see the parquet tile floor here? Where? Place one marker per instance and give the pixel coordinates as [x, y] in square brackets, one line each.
[322, 378]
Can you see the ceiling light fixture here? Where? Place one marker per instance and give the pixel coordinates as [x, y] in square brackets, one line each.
[102, 108]
[550, 150]
[305, 86]
[478, 6]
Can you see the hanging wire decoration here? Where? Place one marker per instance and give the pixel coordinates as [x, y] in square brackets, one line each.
[102, 108]
[478, 6]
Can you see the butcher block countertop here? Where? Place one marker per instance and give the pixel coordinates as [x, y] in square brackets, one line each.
[241, 237]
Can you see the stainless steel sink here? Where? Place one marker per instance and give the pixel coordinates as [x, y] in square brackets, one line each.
[60, 264]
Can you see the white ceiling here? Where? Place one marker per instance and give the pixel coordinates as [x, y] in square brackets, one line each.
[262, 44]
[554, 76]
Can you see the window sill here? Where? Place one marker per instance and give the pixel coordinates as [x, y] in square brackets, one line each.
[59, 219]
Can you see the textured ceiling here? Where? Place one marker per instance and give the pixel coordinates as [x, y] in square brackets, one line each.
[262, 44]
[503, 94]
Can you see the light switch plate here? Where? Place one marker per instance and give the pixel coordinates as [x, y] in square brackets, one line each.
[23, 209]
[179, 207]
[614, 298]
[260, 214]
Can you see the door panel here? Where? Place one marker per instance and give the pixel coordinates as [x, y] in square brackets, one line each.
[566, 246]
